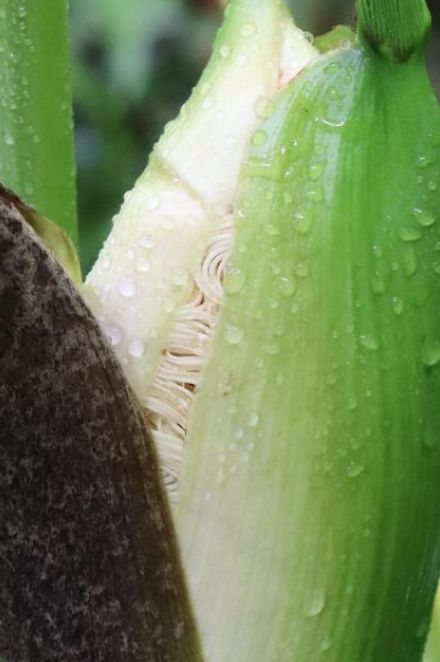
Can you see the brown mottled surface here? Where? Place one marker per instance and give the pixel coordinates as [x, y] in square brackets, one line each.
[88, 562]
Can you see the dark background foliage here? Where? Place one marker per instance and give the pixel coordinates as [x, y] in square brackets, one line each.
[135, 62]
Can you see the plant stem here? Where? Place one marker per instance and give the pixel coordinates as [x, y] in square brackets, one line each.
[395, 28]
[36, 141]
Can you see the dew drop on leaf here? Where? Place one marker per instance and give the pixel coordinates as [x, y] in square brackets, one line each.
[136, 348]
[233, 334]
[431, 353]
[127, 287]
[316, 604]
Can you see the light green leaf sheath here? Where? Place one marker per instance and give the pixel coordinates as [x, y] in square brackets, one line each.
[36, 136]
[146, 281]
[310, 504]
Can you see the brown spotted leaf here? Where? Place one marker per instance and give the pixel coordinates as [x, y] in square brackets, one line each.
[89, 567]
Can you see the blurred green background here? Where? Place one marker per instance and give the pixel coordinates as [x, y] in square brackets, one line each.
[135, 62]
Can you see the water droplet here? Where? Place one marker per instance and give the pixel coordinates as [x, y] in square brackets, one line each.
[424, 217]
[136, 348]
[264, 107]
[302, 222]
[233, 334]
[355, 469]
[410, 234]
[332, 379]
[253, 420]
[221, 476]
[369, 342]
[378, 250]
[287, 286]
[235, 280]
[352, 403]
[436, 267]
[179, 277]
[332, 68]
[167, 222]
[422, 629]
[143, 265]
[239, 433]
[127, 286]
[315, 194]
[168, 305]
[325, 645]
[315, 171]
[147, 242]
[409, 261]
[242, 59]
[432, 186]
[248, 29]
[302, 270]
[316, 604]
[259, 137]
[422, 162]
[273, 349]
[398, 305]
[431, 353]
[114, 334]
[429, 441]
[153, 203]
[271, 230]
[225, 50]
[378, 285]
[208, 102]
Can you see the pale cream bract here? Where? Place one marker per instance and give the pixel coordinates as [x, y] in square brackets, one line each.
[157, 284]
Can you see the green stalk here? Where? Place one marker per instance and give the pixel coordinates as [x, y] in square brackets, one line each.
[309, 517]
[36, 141]
[396, 28]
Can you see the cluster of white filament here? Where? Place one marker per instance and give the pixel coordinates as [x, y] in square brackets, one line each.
[184, 357]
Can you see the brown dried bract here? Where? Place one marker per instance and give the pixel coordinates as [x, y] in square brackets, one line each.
[89, 566]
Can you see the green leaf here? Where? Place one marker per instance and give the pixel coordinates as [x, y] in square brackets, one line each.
[36, 138]
[311, 488]
[341, 36]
